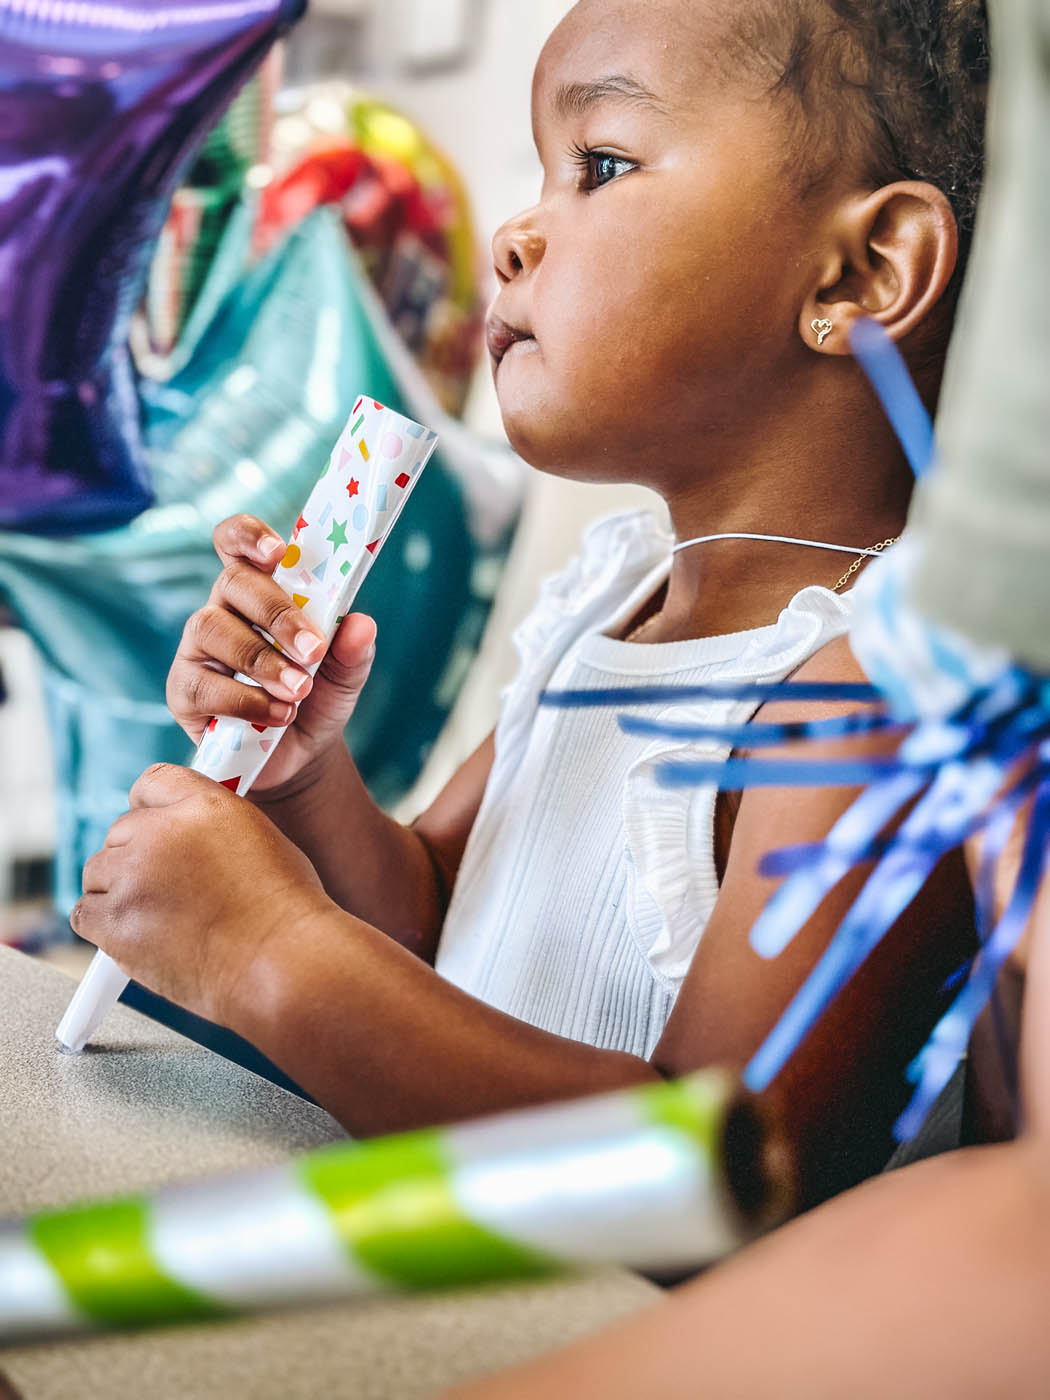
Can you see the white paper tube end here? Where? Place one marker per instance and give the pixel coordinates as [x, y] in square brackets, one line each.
[93, 1000]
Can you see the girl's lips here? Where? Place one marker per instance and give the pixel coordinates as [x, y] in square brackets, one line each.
[501, 336]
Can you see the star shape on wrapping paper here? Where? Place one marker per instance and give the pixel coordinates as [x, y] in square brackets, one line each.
[338, 535]
[351, 490]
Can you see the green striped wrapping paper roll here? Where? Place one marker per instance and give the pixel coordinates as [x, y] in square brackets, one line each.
[663, 1177]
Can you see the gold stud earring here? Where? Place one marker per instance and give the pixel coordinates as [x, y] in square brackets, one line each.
[822, 328]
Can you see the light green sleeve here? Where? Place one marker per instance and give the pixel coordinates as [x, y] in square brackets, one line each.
[984, 517]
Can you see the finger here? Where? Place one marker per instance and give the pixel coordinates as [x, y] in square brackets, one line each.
[351, 654]
[244, 590]
[249, 538]
[340, 679]
[195, 694]
[214, 634]
[122, 831]
[355, 641]
[99, 871]
[164, 784]
[87, 917]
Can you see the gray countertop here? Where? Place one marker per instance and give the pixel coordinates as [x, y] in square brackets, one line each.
[145, 1106]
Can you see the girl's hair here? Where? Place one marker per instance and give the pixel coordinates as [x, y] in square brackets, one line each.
[898, 85]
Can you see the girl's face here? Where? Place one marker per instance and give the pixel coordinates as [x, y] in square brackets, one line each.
[650, 300]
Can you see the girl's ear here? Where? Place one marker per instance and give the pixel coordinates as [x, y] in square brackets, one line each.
[891, 256]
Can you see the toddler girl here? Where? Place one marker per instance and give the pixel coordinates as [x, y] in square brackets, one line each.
[726, 190]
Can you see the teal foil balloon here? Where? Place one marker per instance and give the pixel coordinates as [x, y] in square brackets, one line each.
[246, 425]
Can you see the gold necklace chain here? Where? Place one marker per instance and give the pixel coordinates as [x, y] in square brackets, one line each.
[858, 563]
[636, 632]
[863, 559]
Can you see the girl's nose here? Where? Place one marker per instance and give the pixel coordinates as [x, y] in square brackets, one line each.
[517, 247]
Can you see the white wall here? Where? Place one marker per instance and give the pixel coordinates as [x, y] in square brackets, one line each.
[27, 817]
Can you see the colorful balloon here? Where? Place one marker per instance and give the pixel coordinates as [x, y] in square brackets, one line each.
[407, 214]
[101, 106]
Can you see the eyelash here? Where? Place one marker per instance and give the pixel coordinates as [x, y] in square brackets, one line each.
[584, 158]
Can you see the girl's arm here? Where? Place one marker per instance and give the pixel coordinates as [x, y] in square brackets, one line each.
[384, 1043]
[395, 877]
[200, 898]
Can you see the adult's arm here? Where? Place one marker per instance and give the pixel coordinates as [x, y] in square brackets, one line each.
[928, 1282]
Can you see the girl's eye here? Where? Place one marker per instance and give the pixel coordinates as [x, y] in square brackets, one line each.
[597, 168]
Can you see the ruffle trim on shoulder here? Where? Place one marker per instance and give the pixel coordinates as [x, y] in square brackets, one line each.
[616, 553]
[672, 879]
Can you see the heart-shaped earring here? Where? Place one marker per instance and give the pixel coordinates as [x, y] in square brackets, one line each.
[822, 329]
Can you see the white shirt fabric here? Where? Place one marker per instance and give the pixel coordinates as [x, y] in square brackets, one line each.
[585, 886]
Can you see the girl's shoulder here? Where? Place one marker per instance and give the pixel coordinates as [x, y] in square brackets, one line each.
[617, 554]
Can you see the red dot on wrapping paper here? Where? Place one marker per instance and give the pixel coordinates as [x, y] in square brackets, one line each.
[378, 405]
[352, 489]
[392, 445]
[402, 480]
[372, 547]
[232, 783]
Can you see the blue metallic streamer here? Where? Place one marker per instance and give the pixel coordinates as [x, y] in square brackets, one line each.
[936, 1062]
[757, 733]
[997, 832]
[805, 692]
[733, 773]
[885, 367]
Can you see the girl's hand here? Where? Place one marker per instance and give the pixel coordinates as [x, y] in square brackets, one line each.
[220, 639]
[190, 884]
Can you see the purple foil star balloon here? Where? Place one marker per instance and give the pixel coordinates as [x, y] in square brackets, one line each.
[102, 103]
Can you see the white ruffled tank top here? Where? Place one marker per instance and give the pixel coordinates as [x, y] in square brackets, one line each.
[585, 887]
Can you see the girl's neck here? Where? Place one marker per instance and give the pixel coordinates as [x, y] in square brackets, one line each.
[850, 487]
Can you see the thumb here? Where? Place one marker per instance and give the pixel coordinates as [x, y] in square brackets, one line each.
[163, 784]
[341, 677]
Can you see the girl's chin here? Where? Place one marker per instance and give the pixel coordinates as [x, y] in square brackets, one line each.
[571, 454]
[550, 430]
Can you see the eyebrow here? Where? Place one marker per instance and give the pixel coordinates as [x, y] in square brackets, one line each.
[574, 99]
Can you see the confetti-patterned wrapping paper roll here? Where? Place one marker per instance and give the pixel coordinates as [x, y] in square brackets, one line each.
[340, 531]
[663, 1177]
[368, 478]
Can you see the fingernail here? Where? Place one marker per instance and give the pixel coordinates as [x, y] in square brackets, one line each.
[308, 646]
[281, 713]
[296, 681]
[269, 545]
